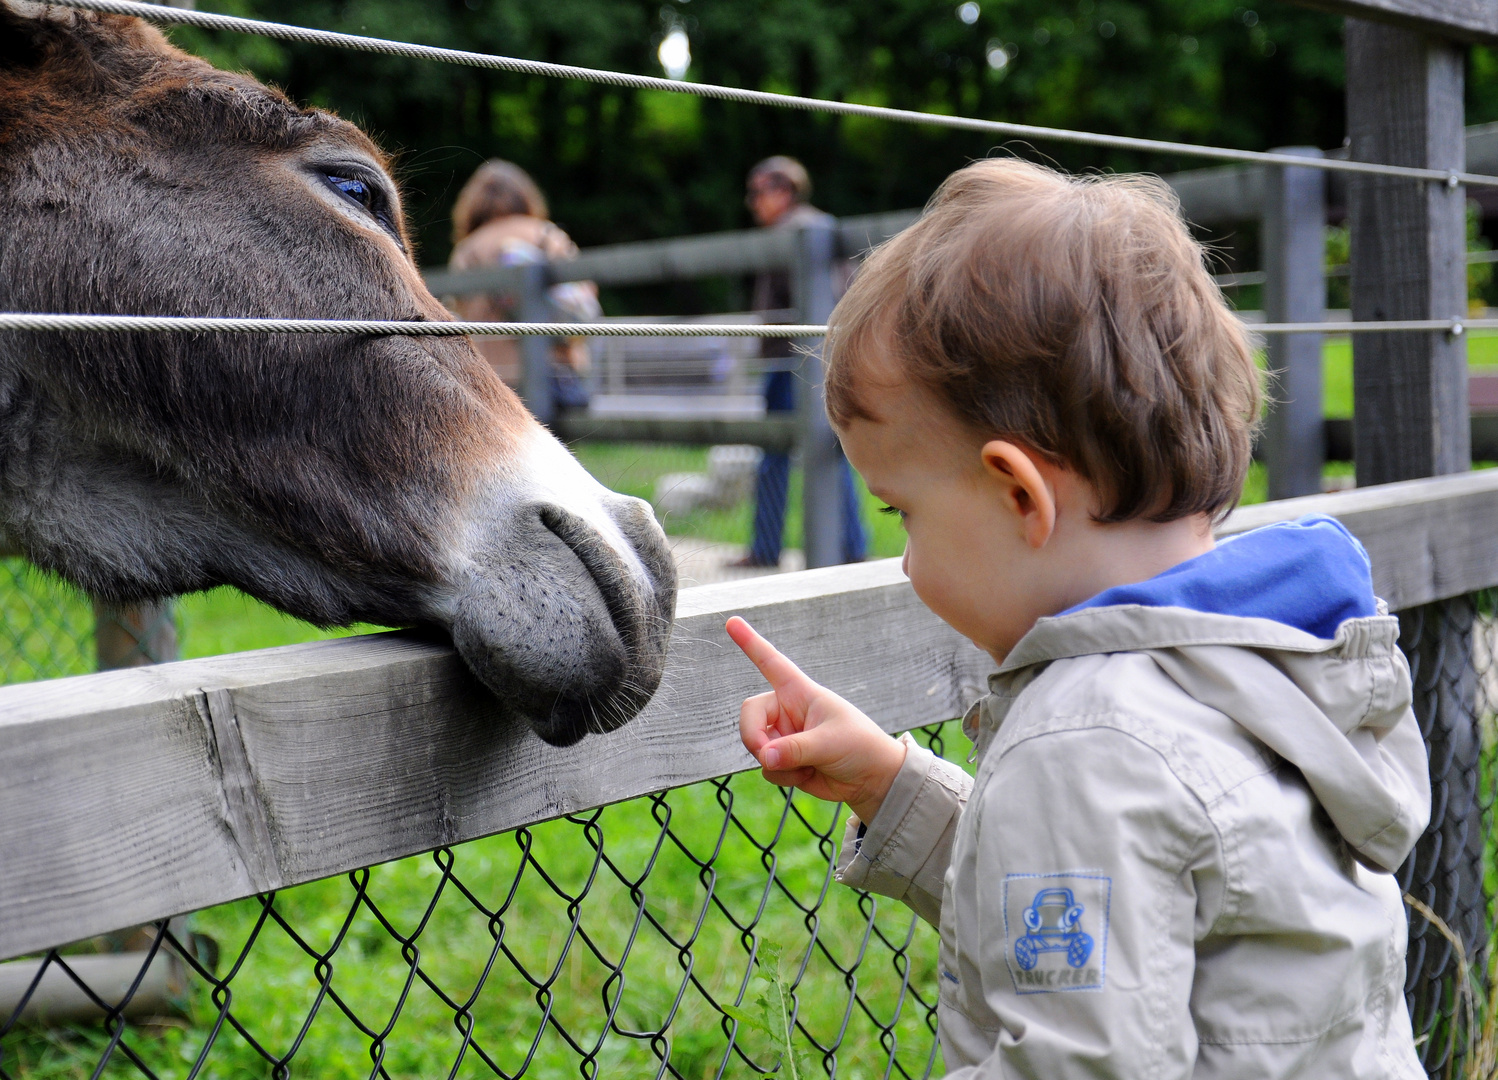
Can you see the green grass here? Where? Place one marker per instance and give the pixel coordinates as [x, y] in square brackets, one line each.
[47, 626]
[226, 620]
[633, 469]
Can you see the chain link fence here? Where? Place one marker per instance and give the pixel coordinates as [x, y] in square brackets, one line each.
[608, 943]
[600, 944]
[49, 629]
[1451, 874]
[46, 627]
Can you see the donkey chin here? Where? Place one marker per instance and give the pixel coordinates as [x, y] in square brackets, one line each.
[563, 603]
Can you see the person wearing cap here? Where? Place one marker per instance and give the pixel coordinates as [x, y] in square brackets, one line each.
[777, 194]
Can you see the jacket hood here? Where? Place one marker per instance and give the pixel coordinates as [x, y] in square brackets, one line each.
[1280, 630]
[1311, 574]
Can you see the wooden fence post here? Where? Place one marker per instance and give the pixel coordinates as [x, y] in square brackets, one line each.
[1294, 246]
[821, 459]
[1404, 107]
[133, 635]
[535, 352]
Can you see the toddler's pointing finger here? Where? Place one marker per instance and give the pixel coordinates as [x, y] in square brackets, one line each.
[777, 669]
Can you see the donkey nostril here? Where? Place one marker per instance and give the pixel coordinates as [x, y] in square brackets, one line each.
[636, 520]
[604, 565]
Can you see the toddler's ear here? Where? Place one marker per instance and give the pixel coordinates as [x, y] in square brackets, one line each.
[1024, 488]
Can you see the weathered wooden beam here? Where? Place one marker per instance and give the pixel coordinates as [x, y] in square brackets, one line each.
[133, 795]
[1429, 539]
[1338, 438]
[855, 235]
[771, 432]
[1222, 194]
[747, 251]
[821, 453]
[1482, 148]
[126, 796]
[1462, 20]
[677, 258]
[1404, 107]
[488, 279]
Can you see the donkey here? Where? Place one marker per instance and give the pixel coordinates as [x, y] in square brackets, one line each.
[338, 478]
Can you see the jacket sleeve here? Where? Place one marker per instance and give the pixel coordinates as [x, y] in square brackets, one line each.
[1075, 911]
[903, 853]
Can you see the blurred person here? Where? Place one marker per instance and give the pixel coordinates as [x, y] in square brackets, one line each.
[776, 193]
[501, 219]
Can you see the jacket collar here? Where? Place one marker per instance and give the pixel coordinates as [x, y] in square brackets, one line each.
[1134, 627]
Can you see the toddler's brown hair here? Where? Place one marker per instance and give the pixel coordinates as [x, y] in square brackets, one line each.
[1074, 315]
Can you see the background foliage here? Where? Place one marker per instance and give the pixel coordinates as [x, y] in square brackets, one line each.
[622, 165]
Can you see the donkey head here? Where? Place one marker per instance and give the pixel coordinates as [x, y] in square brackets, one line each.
[339, 478]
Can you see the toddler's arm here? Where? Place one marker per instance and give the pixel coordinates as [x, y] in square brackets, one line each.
[805, 736]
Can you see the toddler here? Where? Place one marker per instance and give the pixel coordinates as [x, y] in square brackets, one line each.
[1197, 765]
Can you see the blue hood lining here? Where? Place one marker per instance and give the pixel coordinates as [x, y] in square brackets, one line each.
[1311, 574]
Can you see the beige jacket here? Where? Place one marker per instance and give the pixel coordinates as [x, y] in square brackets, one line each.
[1173, 860]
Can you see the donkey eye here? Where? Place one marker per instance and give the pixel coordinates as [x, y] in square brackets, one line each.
[355, 189]
[368, 198]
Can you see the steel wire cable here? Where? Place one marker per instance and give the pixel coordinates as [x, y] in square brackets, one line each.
[286, 32]
[35, 321]
[396, 328]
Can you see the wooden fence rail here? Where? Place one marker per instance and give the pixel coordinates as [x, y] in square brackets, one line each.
[133, 795]
[1291, 206]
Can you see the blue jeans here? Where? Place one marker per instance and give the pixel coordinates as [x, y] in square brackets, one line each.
[772, 488]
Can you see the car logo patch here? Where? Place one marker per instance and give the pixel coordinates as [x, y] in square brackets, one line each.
[1056, 930]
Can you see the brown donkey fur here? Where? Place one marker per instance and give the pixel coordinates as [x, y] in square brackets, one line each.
[394, 480]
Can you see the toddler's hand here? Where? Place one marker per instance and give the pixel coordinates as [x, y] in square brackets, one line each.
[805, 736]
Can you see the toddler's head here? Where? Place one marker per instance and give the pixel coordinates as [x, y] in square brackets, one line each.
[1070, 321]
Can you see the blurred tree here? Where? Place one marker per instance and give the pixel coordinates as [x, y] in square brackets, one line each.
[621, 165]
